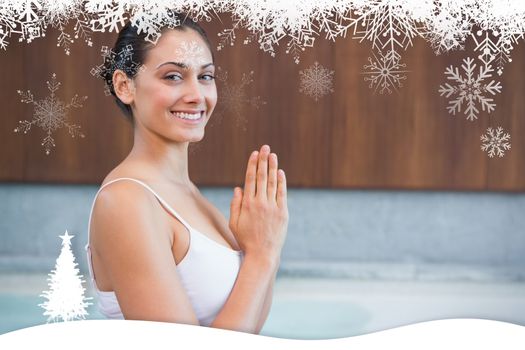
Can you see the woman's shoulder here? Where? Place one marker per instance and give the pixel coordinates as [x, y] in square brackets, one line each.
[124, 187]
[124, 170]
[126, 206]
[127, 176]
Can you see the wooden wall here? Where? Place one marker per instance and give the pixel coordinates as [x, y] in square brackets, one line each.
[351, 138]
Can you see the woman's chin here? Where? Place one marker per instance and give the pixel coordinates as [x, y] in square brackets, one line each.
[198, 139]
[193, 137]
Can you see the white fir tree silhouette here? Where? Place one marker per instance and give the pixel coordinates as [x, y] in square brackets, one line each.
[65, 298]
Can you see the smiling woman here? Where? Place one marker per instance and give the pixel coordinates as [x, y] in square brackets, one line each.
[158, 250]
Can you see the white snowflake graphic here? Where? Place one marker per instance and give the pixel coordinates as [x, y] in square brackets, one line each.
[30, 19]
[447, 25]
[50, 114]
[469, 89]
[385, 72]
[494, 49]
[112, 61]
[388, 24]
[233, 98]
[316, 81]
[65, 297]
[191, 53]
[495, 142]
[298, 22]
[502, 23]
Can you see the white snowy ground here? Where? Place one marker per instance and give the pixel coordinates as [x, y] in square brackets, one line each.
[307, 308]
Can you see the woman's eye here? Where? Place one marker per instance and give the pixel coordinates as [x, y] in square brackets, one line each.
[173, 77]
[208, 77]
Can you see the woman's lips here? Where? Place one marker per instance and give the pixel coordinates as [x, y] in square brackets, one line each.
[188, 121]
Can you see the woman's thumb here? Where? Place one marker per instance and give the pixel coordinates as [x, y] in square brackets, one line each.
[235, 206]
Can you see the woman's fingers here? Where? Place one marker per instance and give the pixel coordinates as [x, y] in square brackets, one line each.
[272, 177]
[262, 173]
[262, 179]
[251, 175]
[235, 208]
[281, 189]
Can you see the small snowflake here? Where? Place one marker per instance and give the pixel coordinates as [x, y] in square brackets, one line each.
[470, 88]
[191, 53]
[50, 114]
[385, 73]
[316, 81]
[494, 141]
[123, 60]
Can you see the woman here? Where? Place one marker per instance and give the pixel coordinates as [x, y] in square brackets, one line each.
[158, 250]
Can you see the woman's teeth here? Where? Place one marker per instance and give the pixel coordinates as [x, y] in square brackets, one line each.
[187, 116]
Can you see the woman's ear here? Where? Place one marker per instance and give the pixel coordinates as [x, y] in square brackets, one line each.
[124, 87]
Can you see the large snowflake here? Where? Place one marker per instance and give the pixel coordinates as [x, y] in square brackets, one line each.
[470, 89]
[390, 25]
[234, 97]
[50, 114]
[494, 49]
[501, 25]
[191, 52]
[316, 81]
[495, 142]
[385, 73]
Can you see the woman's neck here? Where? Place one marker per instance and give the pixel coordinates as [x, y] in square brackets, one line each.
[161, 160]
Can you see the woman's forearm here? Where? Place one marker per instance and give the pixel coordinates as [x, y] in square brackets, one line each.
[242, 311]
[267, 303]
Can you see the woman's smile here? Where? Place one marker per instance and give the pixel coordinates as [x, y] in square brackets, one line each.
[189, 117]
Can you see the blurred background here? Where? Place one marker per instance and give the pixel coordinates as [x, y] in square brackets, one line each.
[396, 215]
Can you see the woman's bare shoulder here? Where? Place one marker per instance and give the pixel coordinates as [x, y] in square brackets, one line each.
[126, 169]
[125, 201]
[125, 215]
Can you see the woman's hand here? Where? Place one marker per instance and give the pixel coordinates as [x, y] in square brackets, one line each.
[259, 214]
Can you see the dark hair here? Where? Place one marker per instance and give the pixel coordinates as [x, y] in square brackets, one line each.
[129, 53]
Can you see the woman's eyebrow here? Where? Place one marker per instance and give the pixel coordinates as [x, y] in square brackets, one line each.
[178, 64]
[183, 65]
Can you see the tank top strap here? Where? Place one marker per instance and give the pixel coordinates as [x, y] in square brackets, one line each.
[159, 198]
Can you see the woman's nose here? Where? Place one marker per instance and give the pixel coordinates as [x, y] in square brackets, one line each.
[193, 91]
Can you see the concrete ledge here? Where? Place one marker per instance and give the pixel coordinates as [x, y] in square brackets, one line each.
[394, 235]
[402, 271]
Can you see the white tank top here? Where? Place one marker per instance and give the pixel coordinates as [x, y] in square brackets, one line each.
[208, 271]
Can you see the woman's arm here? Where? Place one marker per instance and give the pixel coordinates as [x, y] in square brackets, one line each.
[259, 220]
[267, 304]
[244, 307]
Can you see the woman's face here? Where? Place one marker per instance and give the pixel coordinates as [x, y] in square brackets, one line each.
[175, 92]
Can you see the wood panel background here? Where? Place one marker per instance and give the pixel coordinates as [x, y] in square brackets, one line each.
[351, 138]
